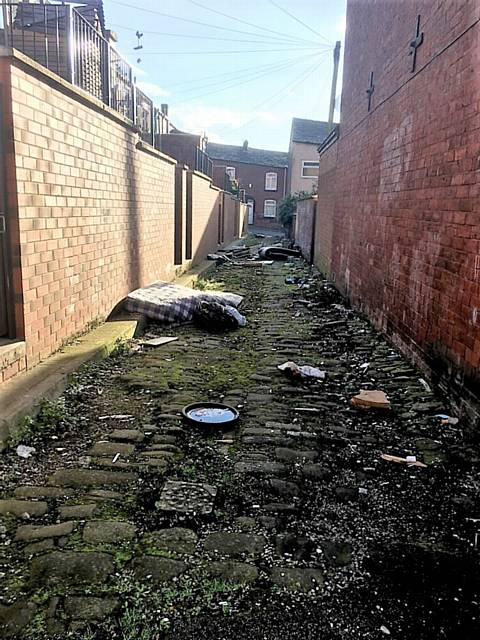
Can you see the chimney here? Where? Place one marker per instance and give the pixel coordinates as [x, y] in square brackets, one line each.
[245, 145]
[164, 109]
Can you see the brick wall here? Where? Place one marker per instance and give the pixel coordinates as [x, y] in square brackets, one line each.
[325, 209]
[406, 241]
[91, 209]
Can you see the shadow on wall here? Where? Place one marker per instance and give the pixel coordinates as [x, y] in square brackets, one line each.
[134, 278]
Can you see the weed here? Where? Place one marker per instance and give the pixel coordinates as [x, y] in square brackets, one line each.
[52, 418]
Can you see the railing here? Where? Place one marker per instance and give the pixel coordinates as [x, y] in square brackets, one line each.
[203, 163]
[144, 115]
[59, 38]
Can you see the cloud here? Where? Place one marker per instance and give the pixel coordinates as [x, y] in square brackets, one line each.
[197, 118]
[152, 90]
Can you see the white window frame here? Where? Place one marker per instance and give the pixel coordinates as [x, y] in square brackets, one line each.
[271, 181]
[311, 164]
[231, 172]
[267, 208]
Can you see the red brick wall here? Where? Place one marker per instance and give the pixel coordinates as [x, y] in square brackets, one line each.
[406, 241]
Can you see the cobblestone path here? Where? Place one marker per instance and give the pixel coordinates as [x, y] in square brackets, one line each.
[126, 523]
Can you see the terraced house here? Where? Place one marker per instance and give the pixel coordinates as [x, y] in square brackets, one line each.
[260, 174]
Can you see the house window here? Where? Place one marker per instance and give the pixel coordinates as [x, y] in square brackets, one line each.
[270, 209]
[309, 168]
[231, 172]
[271, 181]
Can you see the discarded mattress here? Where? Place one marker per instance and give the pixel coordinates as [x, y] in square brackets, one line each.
[166, 302]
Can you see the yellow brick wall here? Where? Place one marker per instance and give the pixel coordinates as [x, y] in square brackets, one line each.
[96, 214]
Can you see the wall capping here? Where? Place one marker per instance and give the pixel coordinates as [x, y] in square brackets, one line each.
[147, 148]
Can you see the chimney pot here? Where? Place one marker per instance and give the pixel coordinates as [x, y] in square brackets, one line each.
[245, 145]
[164, 109]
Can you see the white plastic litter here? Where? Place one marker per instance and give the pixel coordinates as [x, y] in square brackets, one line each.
[25, 452]
[242, 321]
[384, 630]
[305, 371]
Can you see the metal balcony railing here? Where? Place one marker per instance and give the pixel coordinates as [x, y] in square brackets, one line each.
[59, 38]
[203, 163]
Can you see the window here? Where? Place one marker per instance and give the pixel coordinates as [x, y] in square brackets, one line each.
[271, 181]
[270, 209]
[231, 172]
[309, 168]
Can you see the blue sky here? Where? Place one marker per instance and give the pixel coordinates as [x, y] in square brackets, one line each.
[233, 80]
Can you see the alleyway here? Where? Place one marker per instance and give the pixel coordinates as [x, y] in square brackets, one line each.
[295, 527]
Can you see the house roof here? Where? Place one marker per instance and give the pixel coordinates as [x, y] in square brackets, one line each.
[310, 131]
[249, 155]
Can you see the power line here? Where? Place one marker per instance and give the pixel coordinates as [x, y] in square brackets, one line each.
[235, 83]
[240, 21]
[283, 90]
[197, 22]
[240, 72]
[196, 37]
[253, 71]
[223, 53]
[299, 21]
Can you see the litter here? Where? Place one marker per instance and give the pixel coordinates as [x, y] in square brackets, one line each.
[115, 458]
[425, 385]
[362, 491]
[278, 253]
[371, 400]
[292, 369]
[118, 416]
[242, 321]
[293, 280]
[399, 460]
[166, 302]
[25, 452]
[158, 342]
[214, 316]
[384, 630]
[446, 419]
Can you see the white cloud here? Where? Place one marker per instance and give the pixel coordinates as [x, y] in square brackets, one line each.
[152, 90]
[197, 118]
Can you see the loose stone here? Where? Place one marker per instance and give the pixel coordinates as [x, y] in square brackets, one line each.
[71, 567]
[293, 579]
[108, 531]
[233, 572]
[23, 508]
[176, 539]
[157, 569]
[235, 544]
[90, 477]
[294, 455]
[111, 449]
[27, 532]
[127, 435]
[77, 511]
[89, 608]
[15, 617]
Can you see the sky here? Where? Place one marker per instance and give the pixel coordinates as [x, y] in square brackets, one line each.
[236, 71]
